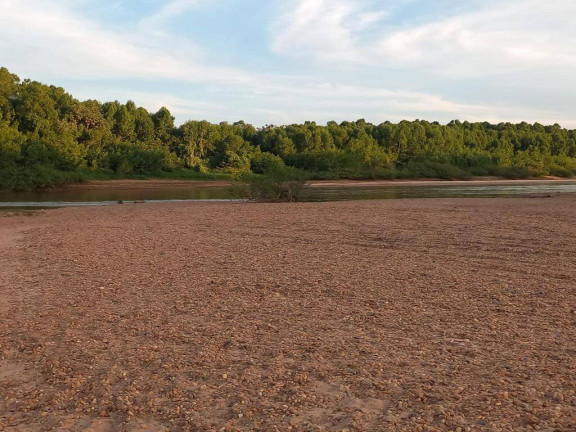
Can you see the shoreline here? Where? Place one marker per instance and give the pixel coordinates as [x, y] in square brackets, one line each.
[162, 183]
[432, 182]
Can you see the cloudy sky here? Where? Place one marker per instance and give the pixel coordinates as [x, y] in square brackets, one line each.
[284, 61]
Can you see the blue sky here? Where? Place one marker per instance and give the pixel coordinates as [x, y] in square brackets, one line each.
[285, 61]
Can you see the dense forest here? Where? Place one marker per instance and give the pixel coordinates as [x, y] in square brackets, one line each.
[47, 137]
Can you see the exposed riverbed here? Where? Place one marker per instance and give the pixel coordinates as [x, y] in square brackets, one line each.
[391, 315]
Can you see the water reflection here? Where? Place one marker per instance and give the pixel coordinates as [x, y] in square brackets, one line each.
[116, 194]
[440, 191]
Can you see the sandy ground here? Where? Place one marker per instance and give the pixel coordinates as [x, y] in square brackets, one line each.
[410, 315]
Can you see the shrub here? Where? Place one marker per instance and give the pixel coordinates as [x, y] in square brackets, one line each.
[560, 171]
[22, 178]
[511, 172]
[338, 163]
[280, 184]
[433, 169]
[480, 171]
[264, 161]
[140, 159]
[382, 174]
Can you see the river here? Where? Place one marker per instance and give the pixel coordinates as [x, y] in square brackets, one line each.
[80, 196]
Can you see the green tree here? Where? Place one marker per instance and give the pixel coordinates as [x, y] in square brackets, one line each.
[163, 126]
[232, 152]
[144, 126]
[197, 140]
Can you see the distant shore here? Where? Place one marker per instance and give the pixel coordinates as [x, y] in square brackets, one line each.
[167, 183]
[424, 182]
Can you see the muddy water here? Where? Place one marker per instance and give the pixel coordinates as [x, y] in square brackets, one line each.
[84, 197]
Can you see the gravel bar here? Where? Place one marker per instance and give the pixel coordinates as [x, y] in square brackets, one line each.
[408, 315]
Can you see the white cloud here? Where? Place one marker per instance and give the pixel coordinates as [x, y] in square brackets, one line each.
[325, 29]
[284, 104]
[499, 38]
[492, 37]
[43, 36]
[45, 40]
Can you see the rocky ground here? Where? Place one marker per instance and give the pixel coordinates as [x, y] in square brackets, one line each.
[411, 315]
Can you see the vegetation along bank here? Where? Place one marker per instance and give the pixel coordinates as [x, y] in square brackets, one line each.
[47, 137]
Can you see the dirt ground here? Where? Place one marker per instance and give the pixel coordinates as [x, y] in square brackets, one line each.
[408, 315]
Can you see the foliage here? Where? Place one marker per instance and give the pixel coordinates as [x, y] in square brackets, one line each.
[36, 176]
[277, 184]
[262, 162]
[433, 169]
[511, 172]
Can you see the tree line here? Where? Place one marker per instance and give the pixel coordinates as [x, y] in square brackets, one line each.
[49, 137]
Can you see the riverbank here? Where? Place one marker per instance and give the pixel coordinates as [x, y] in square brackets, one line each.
[164, 183]
[439, 182]
[146, 184]
[406, 315]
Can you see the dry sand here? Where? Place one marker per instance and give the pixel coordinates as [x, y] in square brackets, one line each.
[412, 315]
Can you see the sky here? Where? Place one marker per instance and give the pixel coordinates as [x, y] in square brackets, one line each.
[288, 61]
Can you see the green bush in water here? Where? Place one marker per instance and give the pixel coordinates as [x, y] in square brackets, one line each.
[278, 184]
